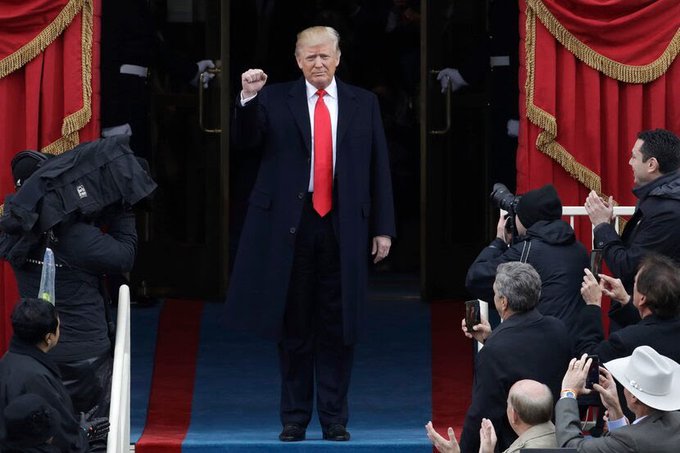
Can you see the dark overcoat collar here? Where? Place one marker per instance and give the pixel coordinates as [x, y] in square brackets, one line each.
[18, 346]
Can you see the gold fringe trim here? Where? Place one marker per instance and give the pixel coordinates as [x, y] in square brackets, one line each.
[34, 47]
[545, 141]
[615, 70]
[74, 122]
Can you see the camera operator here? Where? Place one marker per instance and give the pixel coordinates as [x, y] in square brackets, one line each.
[83, 254]
[542, 239]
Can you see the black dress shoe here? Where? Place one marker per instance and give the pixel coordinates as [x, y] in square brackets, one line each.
[336, 432]
[292, 432]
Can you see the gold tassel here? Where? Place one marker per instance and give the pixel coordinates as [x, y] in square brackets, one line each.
[73, 123]
[545, 142]
[33, 48]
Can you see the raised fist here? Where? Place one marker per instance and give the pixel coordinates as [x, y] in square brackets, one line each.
[252, 82]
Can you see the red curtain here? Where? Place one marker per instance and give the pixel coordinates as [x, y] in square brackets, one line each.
[49, 92]
[593, 74]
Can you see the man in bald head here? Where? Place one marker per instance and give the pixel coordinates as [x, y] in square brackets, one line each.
[529, 410]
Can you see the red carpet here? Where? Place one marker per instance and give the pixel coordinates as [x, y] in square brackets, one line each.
[172, 387]
[451, 367]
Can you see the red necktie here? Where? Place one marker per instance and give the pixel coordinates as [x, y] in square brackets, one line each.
[323, 157]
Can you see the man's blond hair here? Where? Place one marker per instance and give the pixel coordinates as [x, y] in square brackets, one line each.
[313, 36]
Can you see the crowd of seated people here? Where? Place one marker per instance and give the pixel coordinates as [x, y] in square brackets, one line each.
[642, 352]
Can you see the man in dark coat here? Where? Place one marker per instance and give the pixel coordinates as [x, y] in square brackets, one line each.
[83, 254]
[656, 298]
[27, 368]
[547, 243]
[527, 345]
[301, 269]
[655, 160]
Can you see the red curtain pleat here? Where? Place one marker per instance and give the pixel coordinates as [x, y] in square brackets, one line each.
[34, 100]
[597, 119]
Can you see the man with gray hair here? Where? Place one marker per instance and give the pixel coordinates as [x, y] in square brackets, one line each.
[527, 345]
[529, 410]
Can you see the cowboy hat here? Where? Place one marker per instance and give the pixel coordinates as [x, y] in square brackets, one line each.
[652, 378]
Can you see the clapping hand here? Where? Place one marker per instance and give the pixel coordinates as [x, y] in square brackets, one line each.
[442, 444]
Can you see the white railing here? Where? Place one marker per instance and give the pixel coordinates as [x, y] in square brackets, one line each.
[573, 211]
[119, 413]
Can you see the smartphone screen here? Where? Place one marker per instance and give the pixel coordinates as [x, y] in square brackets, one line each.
[596, 263]
[593, 372]
[472, 314]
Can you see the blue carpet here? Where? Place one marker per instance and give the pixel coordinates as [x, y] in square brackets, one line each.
[235, 403]
[144, 327]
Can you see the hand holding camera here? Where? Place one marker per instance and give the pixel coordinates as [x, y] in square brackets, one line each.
[575, 377]
[606, 387]
[502, 231]
[614, 289]
[95, 428]
[590, 289]
[507, 201]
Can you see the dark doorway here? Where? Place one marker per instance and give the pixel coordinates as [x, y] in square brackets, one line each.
[453, 137]
[182, 248]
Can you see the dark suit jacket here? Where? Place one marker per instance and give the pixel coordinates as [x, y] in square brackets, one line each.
[653, 228]
[661, 334]
[277, 121]
[525, 346]
[658, 433]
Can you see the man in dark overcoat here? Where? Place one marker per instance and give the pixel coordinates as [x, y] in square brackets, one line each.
[322, 192]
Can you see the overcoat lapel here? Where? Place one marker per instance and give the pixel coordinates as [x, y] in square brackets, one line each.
[347, 105]
[297, 102]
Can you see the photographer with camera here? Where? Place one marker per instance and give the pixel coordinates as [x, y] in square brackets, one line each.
[533, 232]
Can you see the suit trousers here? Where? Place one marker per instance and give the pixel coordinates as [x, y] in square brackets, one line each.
[312, 350]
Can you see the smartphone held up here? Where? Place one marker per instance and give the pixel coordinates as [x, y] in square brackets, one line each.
[593, 376]
[596, 263]
[472, 314]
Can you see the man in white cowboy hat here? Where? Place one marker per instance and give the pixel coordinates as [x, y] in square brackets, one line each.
[651, 384]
